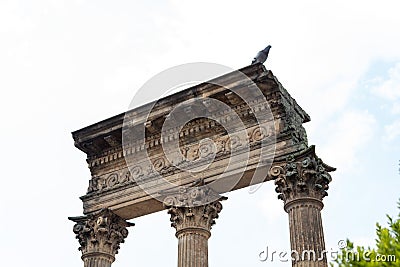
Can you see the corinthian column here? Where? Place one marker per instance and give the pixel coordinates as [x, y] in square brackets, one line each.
[193, 212]
[302, 182]
[99, 237]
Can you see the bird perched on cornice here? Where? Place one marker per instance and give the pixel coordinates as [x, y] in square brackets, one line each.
[261, 56]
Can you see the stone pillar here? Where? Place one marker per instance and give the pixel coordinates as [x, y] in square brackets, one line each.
[99, 237]
[302, 182]
[193, 212]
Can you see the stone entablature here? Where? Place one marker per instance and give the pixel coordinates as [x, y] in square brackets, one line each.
[114, 186]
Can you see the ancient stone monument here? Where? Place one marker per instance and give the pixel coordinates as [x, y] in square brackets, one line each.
[139, 166]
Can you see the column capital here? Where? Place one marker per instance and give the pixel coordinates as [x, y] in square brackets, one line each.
[193, 209]
[302, 177]
[100, 234]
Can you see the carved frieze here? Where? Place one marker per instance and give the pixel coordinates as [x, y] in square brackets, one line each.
[116, 179]
[191, 155]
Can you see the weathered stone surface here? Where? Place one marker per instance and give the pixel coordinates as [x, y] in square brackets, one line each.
[113, 185]
[100, 235]
[193, 219]
[131, 173]
[302, 176]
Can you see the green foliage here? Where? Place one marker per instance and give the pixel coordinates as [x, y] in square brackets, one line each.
[387, 245]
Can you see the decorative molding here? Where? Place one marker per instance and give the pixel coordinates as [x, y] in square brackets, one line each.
[193, 127]
[192, 155]
[100, 233]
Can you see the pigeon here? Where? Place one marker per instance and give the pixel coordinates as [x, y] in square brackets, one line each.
[261, 56]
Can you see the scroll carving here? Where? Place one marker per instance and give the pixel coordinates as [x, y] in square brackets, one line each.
[198, 153]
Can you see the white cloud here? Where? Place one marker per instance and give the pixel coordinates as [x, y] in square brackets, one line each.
[347, 136]
[392, 131]
[396, 109]
[269, 204]
[389, 88]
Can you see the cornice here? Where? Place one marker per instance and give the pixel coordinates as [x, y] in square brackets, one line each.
[100, 138]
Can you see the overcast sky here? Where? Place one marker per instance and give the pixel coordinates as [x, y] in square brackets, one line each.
[67, 64]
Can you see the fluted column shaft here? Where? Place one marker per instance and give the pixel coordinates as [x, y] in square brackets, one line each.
[193, 247]
[306, 233]
[302, 182]
[97, 260]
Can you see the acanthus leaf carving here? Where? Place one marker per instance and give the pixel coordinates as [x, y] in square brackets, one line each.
[101, 232]
[302, 176]
[193, 207]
